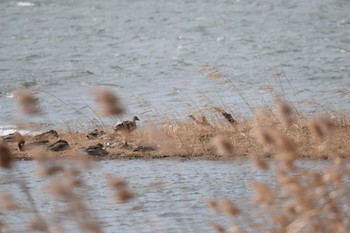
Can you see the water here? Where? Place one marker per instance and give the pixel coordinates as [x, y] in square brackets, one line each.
[149, 52]
[176, 204]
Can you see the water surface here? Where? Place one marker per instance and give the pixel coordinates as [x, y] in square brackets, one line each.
[149, 52]
[170, 194]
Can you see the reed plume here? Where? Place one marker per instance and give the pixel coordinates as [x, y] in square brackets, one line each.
[27, 102]
[109, 102]
[6, 159]
[223, 146]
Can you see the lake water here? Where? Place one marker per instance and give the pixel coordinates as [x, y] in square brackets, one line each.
[170, 193]
[149, 53]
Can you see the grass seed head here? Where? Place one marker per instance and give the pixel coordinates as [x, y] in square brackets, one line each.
[284, 146]
[264, 136]
[2, 226]
[213, 204]
[109, 103]
[27, 102]
[8, 202]
[37, 224]
[42, 156]
[73, 183]
[228, 207]
[281, 220]
[260, 163]
[59, 190]
[5, 156]
[124, 195]
[264, 117]
[223, 146]
[235, 229]
[285, 113]
[218, 228]
[263, 194]
[91, 226]
[321, 127]
[117, 183]
[333, 175]
[48, 170]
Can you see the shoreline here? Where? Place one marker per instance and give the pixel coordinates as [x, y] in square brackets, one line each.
[187, 140]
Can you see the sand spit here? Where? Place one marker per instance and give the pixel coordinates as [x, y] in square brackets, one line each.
[282, 132]
[317, 138]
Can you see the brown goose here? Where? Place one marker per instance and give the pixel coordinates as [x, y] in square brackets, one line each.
[60, 145]
[126, 126]
[95, 150]
[12, 137]
[95, 134]
[31, 145]
[47, 134]
[144, 148]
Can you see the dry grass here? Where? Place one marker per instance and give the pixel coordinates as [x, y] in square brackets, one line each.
[262, 136]
[301, 201]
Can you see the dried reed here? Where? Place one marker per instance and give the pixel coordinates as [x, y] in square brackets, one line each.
[300, 201]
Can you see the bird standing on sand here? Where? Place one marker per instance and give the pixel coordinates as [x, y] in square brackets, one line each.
[60, 145]
[126, 126]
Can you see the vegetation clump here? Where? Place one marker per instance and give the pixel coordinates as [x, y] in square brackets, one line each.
[274, 139]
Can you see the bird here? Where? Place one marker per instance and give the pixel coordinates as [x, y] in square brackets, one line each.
[95, 134]
[95, 150]
[204, 121]
[226, 115]
[60, 145]
[22, 146]
[126, 126]
[12, 137]
[192, 118]
[47, 134]
[144, 149]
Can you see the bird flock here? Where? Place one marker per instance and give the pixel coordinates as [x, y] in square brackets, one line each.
[42, 140]
[52, 141]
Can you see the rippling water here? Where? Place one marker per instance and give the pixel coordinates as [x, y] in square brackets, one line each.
[149, 52]
[176, 204]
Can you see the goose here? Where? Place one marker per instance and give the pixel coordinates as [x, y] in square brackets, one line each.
[95, 150]
[126, 126]
[47, 134]
[144, 149]
[22, 146]
[12, 137]
[60, 145]
[95, 134]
